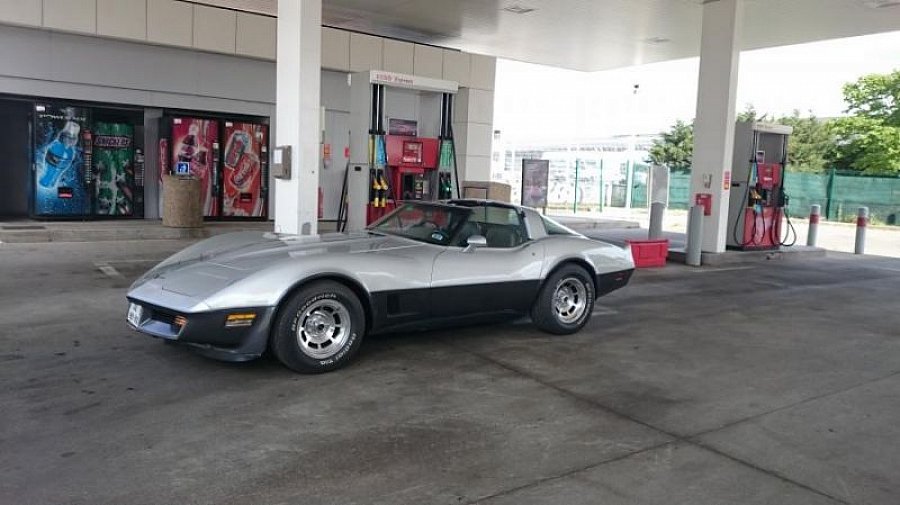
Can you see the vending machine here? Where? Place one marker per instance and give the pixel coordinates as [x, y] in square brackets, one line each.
[194, 144]
[115, 177]
[61, 161]
[245, 172]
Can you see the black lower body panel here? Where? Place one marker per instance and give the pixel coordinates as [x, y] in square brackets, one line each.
[206, 333]
[609, 282]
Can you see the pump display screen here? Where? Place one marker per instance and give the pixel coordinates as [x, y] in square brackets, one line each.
[412, 153]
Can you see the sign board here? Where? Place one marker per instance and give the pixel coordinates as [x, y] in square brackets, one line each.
[183, 168]
[412, 82]
[535, 179]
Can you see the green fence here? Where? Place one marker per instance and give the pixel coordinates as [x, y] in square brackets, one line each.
[839, 194]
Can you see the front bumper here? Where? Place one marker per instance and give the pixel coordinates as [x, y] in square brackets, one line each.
[206, 331]
[609, 282]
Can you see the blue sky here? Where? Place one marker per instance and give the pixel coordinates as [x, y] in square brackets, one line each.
[536, 102]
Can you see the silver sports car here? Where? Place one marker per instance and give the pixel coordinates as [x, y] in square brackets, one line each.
[312, 299]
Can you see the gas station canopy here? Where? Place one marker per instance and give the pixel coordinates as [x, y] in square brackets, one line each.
[593, 35]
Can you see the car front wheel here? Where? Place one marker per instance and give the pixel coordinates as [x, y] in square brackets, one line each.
[319, 328]
[565, 302]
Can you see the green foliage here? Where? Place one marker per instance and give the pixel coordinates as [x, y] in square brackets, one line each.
[865, 145]
[869, 140]
[809, 144]
[876, 97]
[675, 149]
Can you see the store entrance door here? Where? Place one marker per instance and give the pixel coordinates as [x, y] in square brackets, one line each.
[15, 162]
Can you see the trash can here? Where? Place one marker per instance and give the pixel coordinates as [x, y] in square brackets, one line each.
[181, 202]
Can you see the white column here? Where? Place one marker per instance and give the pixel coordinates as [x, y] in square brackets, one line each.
[714, 123]
[297, 113]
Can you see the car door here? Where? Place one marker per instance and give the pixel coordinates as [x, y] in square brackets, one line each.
[503, 276]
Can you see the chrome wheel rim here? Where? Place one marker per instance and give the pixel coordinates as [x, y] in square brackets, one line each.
[570, 300]
[323, 328]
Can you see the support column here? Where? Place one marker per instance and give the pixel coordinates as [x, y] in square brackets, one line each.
[714, 123]
[299, 75]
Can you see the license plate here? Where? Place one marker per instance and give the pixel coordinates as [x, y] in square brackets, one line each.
[135, 313]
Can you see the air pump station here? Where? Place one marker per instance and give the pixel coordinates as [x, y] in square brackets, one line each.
[401, 143]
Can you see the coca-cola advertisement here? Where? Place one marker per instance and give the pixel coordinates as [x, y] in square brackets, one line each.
[243, 169]
[196, 141]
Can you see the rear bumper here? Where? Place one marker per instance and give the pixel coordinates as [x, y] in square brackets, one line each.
[206, 332]
[609, 282]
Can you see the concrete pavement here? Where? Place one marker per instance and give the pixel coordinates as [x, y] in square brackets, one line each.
[759, 384]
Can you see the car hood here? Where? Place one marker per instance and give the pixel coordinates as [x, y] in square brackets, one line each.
[220, 261]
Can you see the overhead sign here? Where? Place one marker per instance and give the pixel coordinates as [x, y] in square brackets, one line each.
[535, 179]
[412, 82]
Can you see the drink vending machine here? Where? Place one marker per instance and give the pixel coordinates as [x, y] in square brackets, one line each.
[87, 163]
[758, 202]
[233, 180]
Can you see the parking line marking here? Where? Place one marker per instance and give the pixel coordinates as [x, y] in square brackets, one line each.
[603, 311]
[108, 269]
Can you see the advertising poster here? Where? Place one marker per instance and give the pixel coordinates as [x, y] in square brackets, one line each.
[113, 158]
[403, 127]
[61, 179]
[243, 177]
[195, 141]
[535, 177]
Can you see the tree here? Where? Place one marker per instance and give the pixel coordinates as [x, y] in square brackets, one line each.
[866, 145]
[876, 97]
[675, 148]
[868, 141]
[810, 142]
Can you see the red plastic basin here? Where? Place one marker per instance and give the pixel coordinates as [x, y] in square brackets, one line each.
[649, 253]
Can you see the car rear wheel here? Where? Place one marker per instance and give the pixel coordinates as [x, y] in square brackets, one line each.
[565, 302]
[319, 328]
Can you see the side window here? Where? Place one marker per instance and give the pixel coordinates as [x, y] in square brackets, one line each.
[502, 227]
[554, 228]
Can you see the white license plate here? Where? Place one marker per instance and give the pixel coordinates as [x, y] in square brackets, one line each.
[135, 313]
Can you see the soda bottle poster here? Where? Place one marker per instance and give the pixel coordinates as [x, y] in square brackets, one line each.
[246, 149]
[113, 159]
[61, 181]
[196, 141]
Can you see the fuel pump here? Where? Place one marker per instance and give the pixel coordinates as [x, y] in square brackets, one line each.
[415, 162]
[758, 203]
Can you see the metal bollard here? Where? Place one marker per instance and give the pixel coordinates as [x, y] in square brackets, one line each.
[693, 253]
[815, 214]
[657, 211]
[862, 221]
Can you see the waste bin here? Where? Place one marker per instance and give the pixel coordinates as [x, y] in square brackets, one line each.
[181, 202]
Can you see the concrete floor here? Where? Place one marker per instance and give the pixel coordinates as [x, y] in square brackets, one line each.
[770, 383]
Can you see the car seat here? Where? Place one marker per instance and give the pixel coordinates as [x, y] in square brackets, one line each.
[501, 236]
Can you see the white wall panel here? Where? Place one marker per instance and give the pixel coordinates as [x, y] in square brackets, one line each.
[335, 49]
[429, 61]
[256, 35]
[484, 71]
[214, 29]
[365, 52]
[21, 12]
[122, 18]
[170, 22]
[399, 56]
[457, 67]
[71, 15]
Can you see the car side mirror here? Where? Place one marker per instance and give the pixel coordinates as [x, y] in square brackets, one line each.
[474, 242]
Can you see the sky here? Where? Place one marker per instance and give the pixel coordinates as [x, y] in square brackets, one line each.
[538, 102]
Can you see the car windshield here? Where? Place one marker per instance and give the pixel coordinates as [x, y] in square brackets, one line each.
[434, 224]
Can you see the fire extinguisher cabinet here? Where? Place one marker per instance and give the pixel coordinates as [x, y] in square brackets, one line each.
[182, 206]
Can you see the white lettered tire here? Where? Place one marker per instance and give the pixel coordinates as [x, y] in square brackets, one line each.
[319, 328]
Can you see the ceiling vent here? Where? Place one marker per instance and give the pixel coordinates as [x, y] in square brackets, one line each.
[518, 9]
